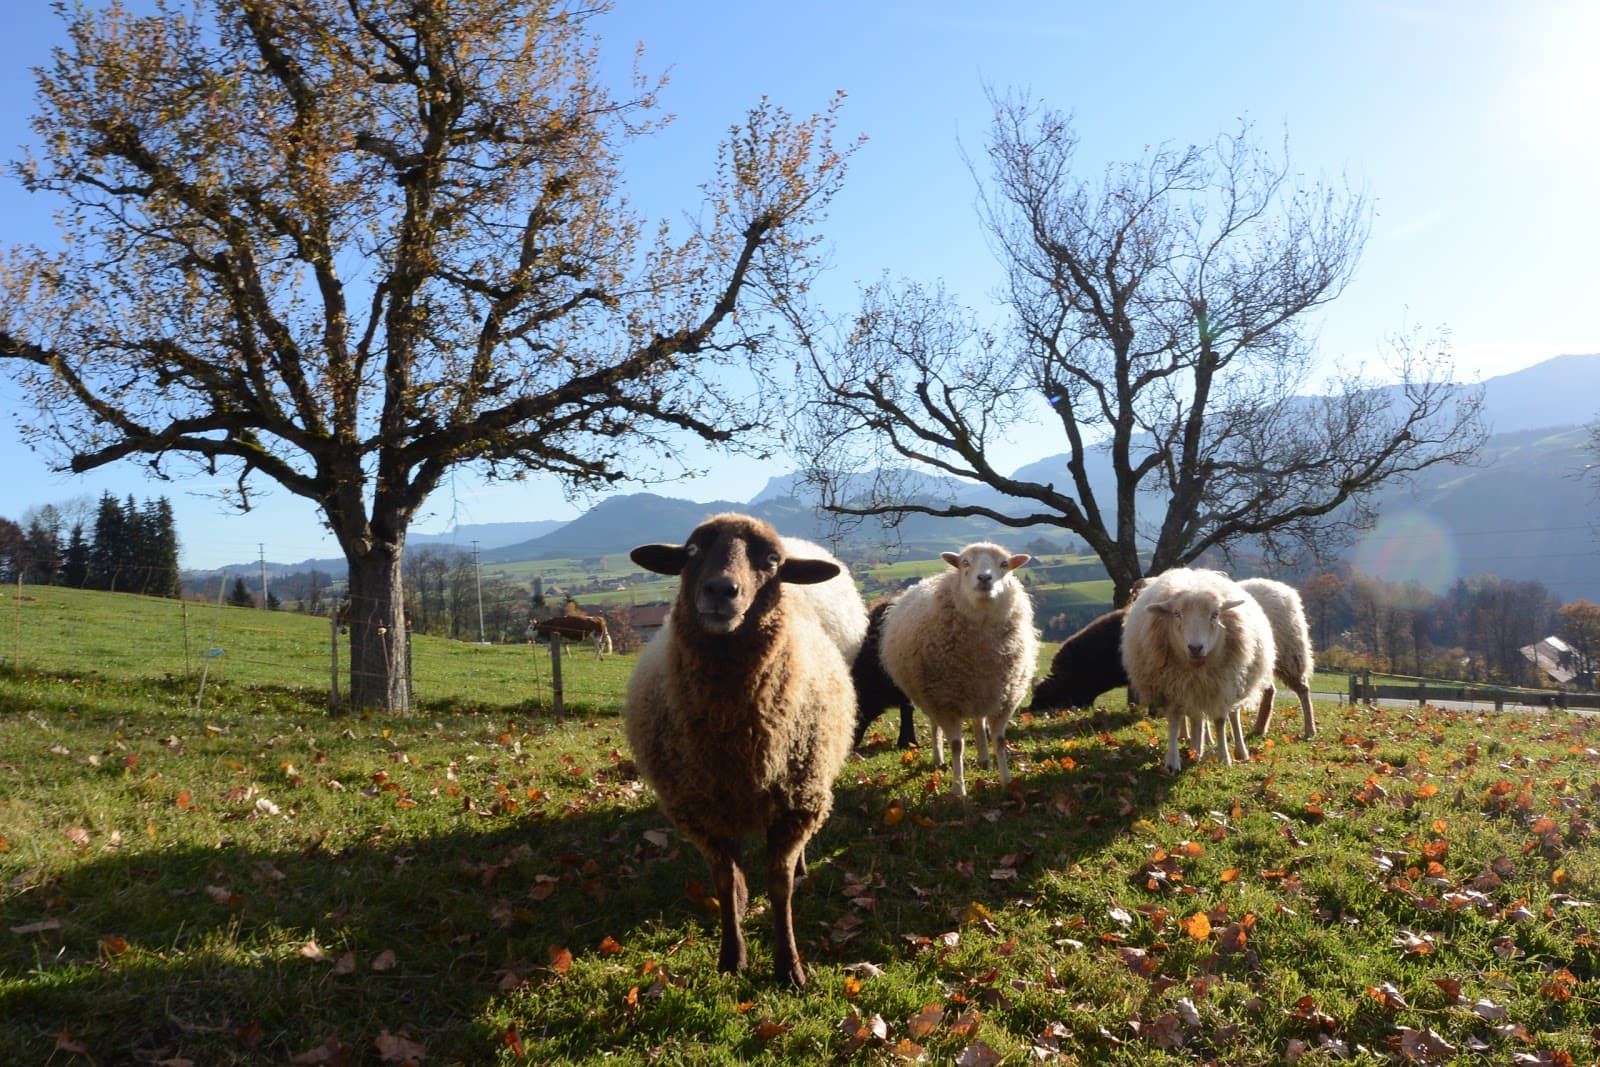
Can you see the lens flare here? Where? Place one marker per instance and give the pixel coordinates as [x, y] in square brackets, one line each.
[1408, 546]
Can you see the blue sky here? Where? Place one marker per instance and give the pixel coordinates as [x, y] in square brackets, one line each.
[1474, 127]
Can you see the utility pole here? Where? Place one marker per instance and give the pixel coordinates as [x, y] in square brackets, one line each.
[261, 550]
[478, 575]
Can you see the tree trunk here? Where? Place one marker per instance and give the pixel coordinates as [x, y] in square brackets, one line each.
[378, 632]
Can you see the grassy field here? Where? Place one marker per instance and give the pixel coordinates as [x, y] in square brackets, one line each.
[245, 879]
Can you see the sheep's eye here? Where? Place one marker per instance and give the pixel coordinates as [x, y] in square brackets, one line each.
[691, 550]
[773, 559]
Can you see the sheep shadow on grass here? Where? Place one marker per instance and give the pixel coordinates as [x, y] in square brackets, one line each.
[253, 953]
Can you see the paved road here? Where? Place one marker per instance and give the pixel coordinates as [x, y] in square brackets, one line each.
[1457, 705]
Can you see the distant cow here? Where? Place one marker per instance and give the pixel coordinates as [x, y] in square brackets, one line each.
[577, 627]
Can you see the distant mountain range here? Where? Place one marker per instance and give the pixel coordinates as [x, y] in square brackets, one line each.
[1525, 511]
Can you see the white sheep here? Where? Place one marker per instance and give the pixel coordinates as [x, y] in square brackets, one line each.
[1197, 647]
[741, 712]
[837, 601]
[1291, 639]
[961, 644]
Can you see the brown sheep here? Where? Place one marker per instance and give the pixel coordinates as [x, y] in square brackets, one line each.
[740, 713]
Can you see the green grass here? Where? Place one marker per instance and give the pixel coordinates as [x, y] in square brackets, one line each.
[77, 633]
[253, 881]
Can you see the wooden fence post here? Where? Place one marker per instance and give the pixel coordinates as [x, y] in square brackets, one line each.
[555, 672]
[333, 645]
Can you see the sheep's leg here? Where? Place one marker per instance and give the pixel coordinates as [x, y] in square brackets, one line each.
[732, 895]
[980, 728]
[1174, 762]
[1264, 716]
[908, 727]
[1000, 752]
[958, 747]
[938, 745]
[786, 842]
[1235, 724]
[1197, 727]
[1303, 691]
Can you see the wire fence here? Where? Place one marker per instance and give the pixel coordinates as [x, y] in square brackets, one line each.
[205, 649]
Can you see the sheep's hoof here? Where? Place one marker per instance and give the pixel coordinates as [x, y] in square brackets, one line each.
[793, 977]
[732, 961]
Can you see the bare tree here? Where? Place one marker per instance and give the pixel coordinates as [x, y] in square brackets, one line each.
[349, 245]
[1157, 319]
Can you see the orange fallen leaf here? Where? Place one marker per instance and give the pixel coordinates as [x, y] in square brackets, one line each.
[1197, 926]
[513, 1040]
[926, 1021]
[560, 960]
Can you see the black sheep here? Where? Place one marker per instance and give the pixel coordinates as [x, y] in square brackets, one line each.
[875, 690]
[1087, 664]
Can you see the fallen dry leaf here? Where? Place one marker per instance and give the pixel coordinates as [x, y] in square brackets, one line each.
[1424, 1046]
[977, 1054]
[397, 1048]
[331, 1051]
[926, 1021]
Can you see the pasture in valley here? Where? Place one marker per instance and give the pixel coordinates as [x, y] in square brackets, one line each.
[243, 878]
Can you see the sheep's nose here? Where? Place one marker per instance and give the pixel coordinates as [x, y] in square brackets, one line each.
[985, 580]
[722, 587]
[1197, 651]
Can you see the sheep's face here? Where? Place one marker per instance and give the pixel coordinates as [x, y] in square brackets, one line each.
[984, 569]
[730, 569]
[1196, 626]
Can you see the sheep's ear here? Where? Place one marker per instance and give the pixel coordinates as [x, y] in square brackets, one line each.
[1229, 605]
[952, 558]
[807, 571]
[1018, 560]
[661, 559]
